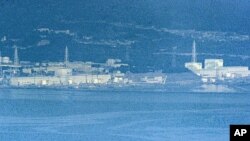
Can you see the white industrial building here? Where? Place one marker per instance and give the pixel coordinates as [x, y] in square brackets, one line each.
[58, 74]
[214, 69]
[60, 80]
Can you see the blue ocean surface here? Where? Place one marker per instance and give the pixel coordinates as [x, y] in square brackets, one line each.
[71, 115]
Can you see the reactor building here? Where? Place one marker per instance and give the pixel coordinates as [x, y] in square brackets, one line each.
[214, 69]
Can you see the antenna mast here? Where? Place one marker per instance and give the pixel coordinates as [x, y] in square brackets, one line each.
[194, 59]
[66, 57]
[16, 59]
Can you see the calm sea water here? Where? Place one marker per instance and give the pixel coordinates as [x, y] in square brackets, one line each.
[56, 115]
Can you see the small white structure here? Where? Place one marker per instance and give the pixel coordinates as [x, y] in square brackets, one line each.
[193, 66]
[147, 78]
[63, 72]
[213, 63]
[5, 60]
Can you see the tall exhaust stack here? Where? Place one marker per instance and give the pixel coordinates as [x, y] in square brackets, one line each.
[66, 56]
[194, 59]
[16, 59]
[0, 57]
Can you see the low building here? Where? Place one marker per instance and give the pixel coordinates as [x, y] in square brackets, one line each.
[214, 70]
[60, 80]
[147, 78]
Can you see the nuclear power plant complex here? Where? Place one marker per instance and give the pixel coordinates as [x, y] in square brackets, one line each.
[77, 74]
[71, 74]
[214, 69]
